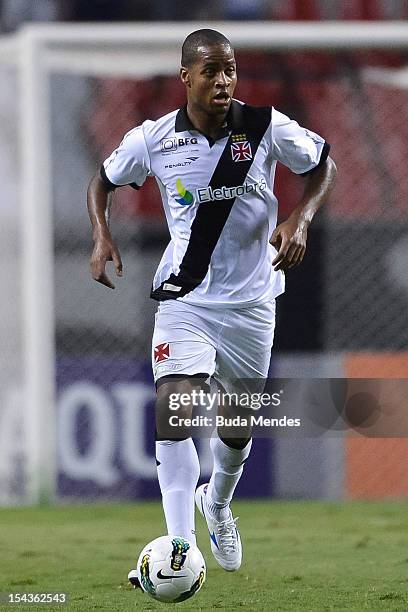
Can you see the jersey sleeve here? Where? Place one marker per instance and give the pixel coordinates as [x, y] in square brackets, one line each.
[129, 164]
[296, 147]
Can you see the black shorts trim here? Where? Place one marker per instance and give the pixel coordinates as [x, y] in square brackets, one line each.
[163, 379]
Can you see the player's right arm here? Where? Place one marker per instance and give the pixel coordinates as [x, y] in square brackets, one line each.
[129, 165]
[99, 199]
[305, 153]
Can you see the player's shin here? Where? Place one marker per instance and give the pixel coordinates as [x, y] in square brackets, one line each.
[178, 471]
[227, 470]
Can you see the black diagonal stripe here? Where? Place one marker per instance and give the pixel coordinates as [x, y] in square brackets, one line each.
[211, 217]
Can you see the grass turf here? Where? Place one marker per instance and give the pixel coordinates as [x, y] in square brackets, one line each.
[297, 556]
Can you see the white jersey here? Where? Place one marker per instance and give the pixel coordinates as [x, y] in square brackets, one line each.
[218, 199]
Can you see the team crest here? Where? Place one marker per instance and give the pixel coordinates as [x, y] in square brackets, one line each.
[161, 352]
[241, 148]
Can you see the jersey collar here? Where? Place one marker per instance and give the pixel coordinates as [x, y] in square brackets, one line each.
[233, 120]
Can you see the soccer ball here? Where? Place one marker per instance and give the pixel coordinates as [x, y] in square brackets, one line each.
[171, 569]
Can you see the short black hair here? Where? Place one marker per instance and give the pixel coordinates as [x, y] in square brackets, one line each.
[197, 39]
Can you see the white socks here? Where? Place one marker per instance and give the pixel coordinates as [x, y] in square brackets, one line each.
[178, 470]
[227, 470]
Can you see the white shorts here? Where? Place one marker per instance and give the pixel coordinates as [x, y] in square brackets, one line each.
[227, 344]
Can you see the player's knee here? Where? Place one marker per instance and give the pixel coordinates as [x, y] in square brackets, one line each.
[236, 443]
[172, 396]
[173, 408]
[235, 430]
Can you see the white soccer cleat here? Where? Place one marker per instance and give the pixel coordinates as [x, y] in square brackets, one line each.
[134, 579]
[224, 536]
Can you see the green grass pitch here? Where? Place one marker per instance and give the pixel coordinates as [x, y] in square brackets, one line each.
[297, 556]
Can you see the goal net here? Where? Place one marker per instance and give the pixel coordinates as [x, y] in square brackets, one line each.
[76, 395]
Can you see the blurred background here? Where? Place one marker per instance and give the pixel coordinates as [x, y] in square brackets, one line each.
[344, 313]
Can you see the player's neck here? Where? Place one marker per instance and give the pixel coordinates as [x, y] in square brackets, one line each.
[209, 125]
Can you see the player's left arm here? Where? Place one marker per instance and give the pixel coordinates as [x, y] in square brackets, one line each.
[289, 237]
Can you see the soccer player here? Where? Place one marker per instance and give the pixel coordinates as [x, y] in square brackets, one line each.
[214, 162]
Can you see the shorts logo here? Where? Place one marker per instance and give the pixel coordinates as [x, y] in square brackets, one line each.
[161, 352]
[240, 148]
[186, 197]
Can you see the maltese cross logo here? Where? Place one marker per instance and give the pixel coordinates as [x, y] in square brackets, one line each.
[241, 151]
[161, 352]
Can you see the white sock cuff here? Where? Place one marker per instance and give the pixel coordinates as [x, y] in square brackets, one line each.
[181, 453]
[225, 455]
[172, 442]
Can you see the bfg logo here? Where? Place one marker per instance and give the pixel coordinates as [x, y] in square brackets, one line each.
[171, 144]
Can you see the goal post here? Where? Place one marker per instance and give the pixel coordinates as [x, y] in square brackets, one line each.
[125, 50]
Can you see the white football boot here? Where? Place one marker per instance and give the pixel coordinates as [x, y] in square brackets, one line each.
[224, 536]
[134, 579]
